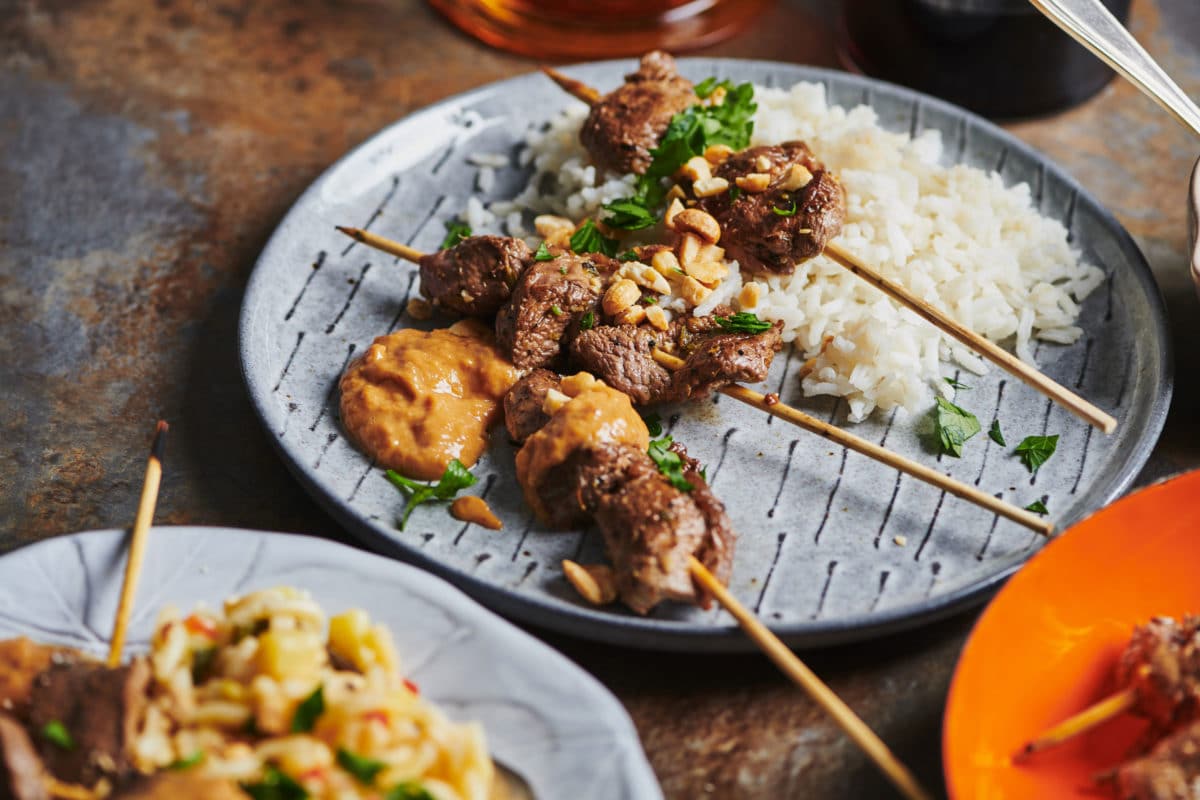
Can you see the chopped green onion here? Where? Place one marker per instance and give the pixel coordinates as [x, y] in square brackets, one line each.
[455, 232]
[743, 322]
[362, 768]
[588, 320]
[275, 785]
[56, 733]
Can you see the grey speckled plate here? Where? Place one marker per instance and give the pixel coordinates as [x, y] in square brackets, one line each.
[545, 718]
[816, 557]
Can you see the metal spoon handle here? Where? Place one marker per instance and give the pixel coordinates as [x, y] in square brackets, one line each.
[1091, 24]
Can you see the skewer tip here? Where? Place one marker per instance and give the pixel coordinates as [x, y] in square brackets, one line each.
[158, 446]
[353, 233]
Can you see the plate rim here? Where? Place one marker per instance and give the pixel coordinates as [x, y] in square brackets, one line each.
[668, 635]
[502, 634]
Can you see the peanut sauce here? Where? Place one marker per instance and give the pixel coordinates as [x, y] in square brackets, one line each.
[599, 415]
[475, 509]
[415, 400]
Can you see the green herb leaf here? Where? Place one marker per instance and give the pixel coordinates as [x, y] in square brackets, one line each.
[956, 384]
[362, 768]
[456, 478]
[456, 231]
[628, 214]
[543, 253]
[307, 712]
[996, 435]
[589, 240]
[556, 311]
[194, 760]
[734, 193]
[648, 300]
[953, 426]
[706, 87]
[202, 661]
[275, 785]
[56, 733]
[408, 791]
[1038, 507]
[587, 322]
[628, 255]
[743, 322]
[669, 463]
[653, 423]
[1035, 450]
[784, 212]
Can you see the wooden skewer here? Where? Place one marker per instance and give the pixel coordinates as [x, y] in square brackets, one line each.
[872, 450]
[989, 350]
[577, 89]
[796, 417]
[805, 678]
[1111, 706]
[137, 547]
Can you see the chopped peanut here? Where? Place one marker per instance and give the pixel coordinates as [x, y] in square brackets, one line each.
[707, 187]
[749, 296]
[693, 291]
[419, 309]
[675, 192]
[554, 401]
[797, 178]
[673, 210]
[753, 183]
[596, 583]
[666, 263]
[688, 249]
[762, 164]
[631, 316]
[657, 317]
[620, 296]
[718, 96]
[697, 169]
[645, 276]
[577, 384]
[717, 153]
[707, 272]
[710, 252]
[700, 223]
[554, 229]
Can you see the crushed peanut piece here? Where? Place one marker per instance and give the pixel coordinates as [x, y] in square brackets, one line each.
[707, 187]
[577, 384]
[693, 291]
[797, 178]
[666, 263]
[717, 153]
[688, 249]
[762, 164]
[698, 222]
[750, 294]
[709, 273]
[900, 540]
[753, 183]
[631, 316]
[697, 168]
[673, 210]
[596, 583]
[419, 309]
[554, 401]
[675, 192]
[657, 317]
[554, 229]
[620, 296]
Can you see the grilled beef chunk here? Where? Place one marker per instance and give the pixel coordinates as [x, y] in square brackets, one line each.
[1169, 772]
[100, 709]
[547, 303]
[716, 552]
[181, 786]
[21, 771]
[474, 277]
[778, 228]
[716, 360]
[523, 414]
[22, 660]
[1162, 661]
[626, 124]
[622, 357]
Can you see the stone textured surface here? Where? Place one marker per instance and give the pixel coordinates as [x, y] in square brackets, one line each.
[148, 149]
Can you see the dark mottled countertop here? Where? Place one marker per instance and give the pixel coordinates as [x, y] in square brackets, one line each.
[147, 150]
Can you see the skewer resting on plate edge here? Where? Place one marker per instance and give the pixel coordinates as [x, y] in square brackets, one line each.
[1112, 706]
[800, 419]
[137, 545]
[806, 679]
[1058, 393]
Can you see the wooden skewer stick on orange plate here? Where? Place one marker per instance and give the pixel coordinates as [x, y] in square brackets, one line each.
[799, 418]
[137, 547]
[1077, 405]
[806, 679]
[1112, 706]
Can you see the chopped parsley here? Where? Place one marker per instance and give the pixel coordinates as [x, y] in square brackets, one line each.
[408, 791]
[653, 423]
[955, 384]
[456, 231]
[628, 255]
[275, 785]
[57, 734]
[735, 192]
[456, 478]
[1035, 450]
[588, 239]
[995, 434]
[628, 214]
[588, 320]
[194, 760]
[309, 709]
[953, 426]
[1038, 507]
[743, 322]
[648, 300]
[556, 311]
[362, 768]
[784, 212]
[543, 253]
[669, 463]
[706, 87]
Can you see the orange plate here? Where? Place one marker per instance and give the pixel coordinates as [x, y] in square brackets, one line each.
[1046, 646]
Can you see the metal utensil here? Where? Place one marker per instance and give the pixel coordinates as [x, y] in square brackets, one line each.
[1194, 223]
[1091, 24]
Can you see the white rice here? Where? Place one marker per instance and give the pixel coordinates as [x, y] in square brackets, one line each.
[955, 236]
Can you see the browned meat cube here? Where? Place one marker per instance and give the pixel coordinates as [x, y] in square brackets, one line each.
[622, 357]
[523, 414]
[627, 123]
[100, 709]
[474, 277]
[1162, 661]
[547, 304]
[21, 771]
[777, 227]
[717, 360]
[1169, 772]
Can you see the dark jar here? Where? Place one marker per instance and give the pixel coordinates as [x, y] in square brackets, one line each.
[1000, 58]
